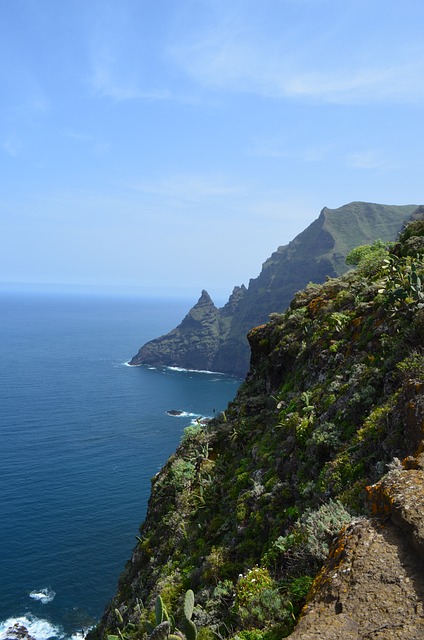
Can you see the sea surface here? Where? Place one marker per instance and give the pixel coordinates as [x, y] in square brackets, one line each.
[81, 435]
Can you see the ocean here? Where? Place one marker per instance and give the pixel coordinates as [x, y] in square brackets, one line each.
[82, 433]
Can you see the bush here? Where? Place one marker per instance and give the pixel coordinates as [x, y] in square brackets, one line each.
[368, 258]
[258, 601]
[181, 472]
[305, 548]
[320, 527]
[412, 367]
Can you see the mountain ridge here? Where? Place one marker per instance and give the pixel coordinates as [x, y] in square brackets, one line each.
[217, 340]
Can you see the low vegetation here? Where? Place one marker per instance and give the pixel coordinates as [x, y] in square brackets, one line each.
[246, 509]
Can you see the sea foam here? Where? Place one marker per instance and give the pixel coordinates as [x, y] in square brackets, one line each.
[182, 370]
[35, 627]
[44, 595]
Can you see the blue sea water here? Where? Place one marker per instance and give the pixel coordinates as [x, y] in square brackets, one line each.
[81, 434]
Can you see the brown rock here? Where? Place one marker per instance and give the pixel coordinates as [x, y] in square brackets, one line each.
[372, 586]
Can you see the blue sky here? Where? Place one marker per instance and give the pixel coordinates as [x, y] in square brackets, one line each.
[175, 144]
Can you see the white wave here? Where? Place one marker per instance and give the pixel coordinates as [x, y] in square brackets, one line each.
[178, 369]
[128, 364]
[44, 595]
[181, 369]
[35, 627]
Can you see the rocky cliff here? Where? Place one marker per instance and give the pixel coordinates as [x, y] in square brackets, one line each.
[215, 339]
[299, 510]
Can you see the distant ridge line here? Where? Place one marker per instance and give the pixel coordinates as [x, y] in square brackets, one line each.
[214, 339]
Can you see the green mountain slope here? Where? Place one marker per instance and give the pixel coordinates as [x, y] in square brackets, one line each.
[215, 339]
[246, 510]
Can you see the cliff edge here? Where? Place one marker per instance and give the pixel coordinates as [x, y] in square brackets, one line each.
[299, 510]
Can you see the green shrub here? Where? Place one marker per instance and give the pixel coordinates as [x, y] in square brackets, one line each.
[375, 423]
[258, 601]
[412, 367]
[180, 473]
[324, 439]
[250, 585]
[299, 587]
[368, 258]
[190, 433]
[321, 526]
[403, 282]
[306, 547]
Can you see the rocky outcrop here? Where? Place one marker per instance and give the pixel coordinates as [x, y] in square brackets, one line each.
[205, 340]
[216, 339]
[372, 585]
[17, 632]
[191, 345]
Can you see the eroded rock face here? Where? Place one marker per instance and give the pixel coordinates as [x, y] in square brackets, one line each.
[372, 585]
[191, 345]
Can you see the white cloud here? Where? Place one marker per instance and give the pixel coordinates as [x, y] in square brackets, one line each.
[108, 80]
[77, 135]
[98, 148]
[323, 62]
[370, 159]
[120, 60]
[187, 188]
[277, 51]
[232, 67]
[285, 149]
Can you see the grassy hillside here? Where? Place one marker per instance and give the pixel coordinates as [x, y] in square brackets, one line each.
[245, 510]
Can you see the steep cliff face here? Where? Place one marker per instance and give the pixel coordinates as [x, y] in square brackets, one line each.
[197, 337]
[217, 341]
[250, 505]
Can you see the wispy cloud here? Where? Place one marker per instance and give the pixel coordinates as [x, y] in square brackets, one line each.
[98, 147]
[107, 80]
[187, 188]
[120, 61]
[231, 66]
[369, 159]
[77, 135]
[301, 60]
[281, 149]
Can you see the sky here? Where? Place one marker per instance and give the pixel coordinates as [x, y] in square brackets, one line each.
[173, 145]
